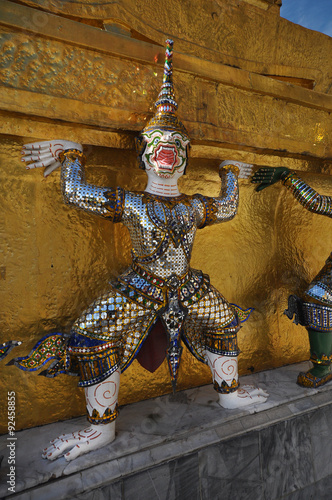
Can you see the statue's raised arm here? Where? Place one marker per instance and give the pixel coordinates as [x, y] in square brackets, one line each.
[227, 202]
[103, 201]
[222, 208]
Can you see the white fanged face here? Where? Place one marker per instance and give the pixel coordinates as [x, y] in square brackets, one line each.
[165, 153]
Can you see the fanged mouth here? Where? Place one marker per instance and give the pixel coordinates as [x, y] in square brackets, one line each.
[165, 157]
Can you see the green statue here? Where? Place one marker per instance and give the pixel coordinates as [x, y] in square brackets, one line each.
[314, 311]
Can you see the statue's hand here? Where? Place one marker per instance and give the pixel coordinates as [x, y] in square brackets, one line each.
[266, 176]
[245, 169]
[46, 154]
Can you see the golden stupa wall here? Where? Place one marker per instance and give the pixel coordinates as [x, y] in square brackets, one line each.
[250, 85]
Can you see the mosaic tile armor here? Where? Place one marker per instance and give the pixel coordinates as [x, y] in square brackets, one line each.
[160, 284]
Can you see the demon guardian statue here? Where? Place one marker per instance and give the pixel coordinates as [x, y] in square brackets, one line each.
[158, 292]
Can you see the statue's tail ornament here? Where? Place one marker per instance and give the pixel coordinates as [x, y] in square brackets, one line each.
[173, 318]
[6, 347]
[49, 348]
[295, 309]
[165, 115]
[173, 356]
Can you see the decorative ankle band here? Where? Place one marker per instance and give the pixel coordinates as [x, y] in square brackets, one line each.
[224, 344]
[224, 388]
[107, 417]
[322, 359]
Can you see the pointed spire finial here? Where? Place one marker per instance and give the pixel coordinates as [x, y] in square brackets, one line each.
[165, 115]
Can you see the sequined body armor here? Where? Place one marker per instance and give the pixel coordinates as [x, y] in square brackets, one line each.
[317, 309]
[160, 285]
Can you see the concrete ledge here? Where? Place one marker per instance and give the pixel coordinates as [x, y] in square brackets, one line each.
[186, 446]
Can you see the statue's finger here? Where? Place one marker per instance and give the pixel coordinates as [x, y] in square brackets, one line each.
[258, 177]
[246, 168]
[27, 152]
[31, 166]
[36, 157]
[263, 171]
[262, 180]
[245, 175]
[258, 171]
[37, 145]
[43, 163]
[52, 167]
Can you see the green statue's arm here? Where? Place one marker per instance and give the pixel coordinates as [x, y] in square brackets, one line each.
[307, 196]
[266, 176]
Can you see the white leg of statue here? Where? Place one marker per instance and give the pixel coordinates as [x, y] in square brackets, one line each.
[225, 370]
[100, 397]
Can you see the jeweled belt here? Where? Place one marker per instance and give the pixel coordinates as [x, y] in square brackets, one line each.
[173, 282]
[317, 316]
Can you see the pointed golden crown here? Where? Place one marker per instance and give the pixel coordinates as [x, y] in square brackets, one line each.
[165, 115]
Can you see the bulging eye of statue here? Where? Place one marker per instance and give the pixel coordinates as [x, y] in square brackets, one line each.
[156, 140]
[177, 143]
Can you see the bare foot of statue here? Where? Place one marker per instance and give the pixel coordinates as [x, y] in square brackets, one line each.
[78, 443]
[244, 396]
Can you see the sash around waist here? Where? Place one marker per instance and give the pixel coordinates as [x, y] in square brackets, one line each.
[150, 291]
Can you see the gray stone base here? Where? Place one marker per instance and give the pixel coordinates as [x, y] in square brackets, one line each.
[187, 447]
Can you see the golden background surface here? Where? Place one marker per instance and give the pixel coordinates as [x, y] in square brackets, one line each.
[250, 85]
